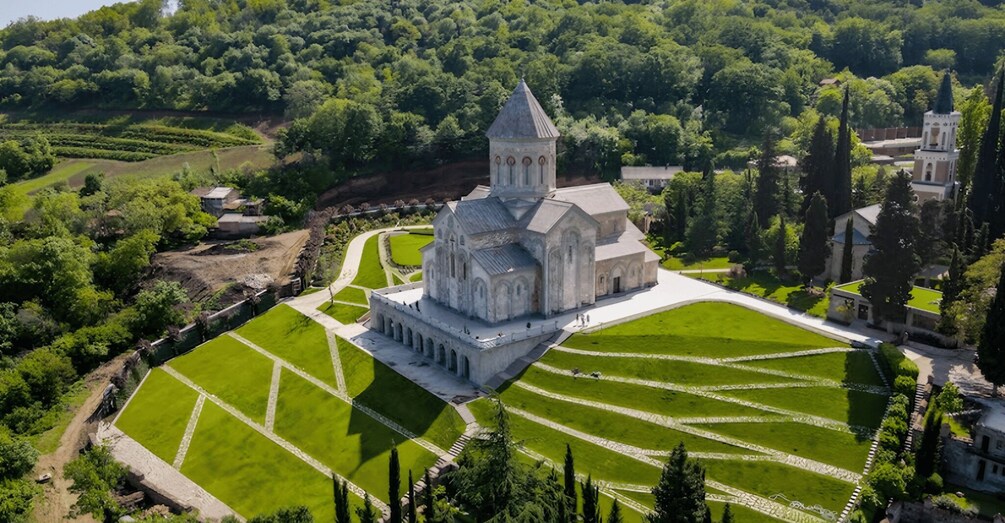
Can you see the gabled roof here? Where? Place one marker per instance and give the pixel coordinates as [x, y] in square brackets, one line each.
[505, 258]
[522, 117]
[857, 238]
[545, 215]
[944, 100]
[870, 213]
[598, 198]
[481, 215]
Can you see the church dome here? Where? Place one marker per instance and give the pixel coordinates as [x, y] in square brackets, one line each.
[522, 117]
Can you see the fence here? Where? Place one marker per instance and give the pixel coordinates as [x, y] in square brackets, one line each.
[888, 133]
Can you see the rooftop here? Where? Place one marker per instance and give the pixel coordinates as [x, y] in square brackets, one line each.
[597, 198]
[921, 298]
[666, 172]
[522, 117]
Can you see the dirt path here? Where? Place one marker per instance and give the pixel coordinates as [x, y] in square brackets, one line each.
[54, 505]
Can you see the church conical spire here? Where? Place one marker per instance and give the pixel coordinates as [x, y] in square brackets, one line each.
[944, 100]
[522, 117]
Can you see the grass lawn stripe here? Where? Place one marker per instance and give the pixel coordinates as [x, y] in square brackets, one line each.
[602, 463]
[849, 406]
[158, 413]
[379, 387]
[611, 425]
[846, 367]
[740, 513]
[342, 313]
[670, 371]
[289, 335]
[370, 273]
[841, 449]
[231, 371]
[352, 294]
[350, 442]
[650, 399]
[405, 248]
[250, 473]
[766, 479]
[684, 331]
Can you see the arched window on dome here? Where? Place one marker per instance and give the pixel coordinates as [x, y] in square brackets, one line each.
[495, 170]
[527, 162]
[511, 162]
[540, 162]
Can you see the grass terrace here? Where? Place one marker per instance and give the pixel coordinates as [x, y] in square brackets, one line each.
[786, 292]
[342, 312]
[921, 298]
[675, 263]
[405, 247]
[750, 397]
[295, 338]
[371, 272]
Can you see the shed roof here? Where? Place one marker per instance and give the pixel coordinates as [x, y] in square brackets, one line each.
[522, 117]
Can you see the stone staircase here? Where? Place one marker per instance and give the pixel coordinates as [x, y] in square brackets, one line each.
[917, 413]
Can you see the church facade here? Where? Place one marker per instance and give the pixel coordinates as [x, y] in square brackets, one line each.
[523, 246]
[518, 251]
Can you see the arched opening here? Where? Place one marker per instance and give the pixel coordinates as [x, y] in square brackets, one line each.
[933, 136]
[389, 330]
[495, 170]
[418, 342]
[408, 337]
[429, 348]
[928, 172]
[441, 355]
[452, 364]
[540, 163]
[511, 167]
[527, 162]
[397, 332]
[465, 368]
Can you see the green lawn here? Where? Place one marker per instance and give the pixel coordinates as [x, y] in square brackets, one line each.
[609, 425]
[379, 387]
[674, 263]
[342, 313]
[158, 414]
[350, 442]
[840, 449]
[62, 172]
[250, 473]
[289, 335]
[740, 513]
[405, 248]
[415, 276]
[669, 371]
[848, 406]
[231, 371]
[921, 298]
[685, 331]
[650, 399]
[766, 479]
[371, 273]
[848, 367]
[352, 294]
[790, 293]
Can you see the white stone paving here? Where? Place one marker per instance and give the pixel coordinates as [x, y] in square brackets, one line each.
[270, 409]
[186, 439]
[336, 361]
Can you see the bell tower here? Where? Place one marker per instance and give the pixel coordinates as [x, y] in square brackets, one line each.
[522, 142]
[935, 161]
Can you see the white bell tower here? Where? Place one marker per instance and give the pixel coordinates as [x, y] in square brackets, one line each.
[522, 142]
[935, 161]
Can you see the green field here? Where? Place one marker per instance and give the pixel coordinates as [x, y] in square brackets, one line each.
[371, 273]
[352, 294]
[405, 248]
[921, 298]
[674, 263]
[243, 467]
[708, 405]
[766, 285]
[341, 312]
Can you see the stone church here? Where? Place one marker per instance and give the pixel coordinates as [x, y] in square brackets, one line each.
[522, 245]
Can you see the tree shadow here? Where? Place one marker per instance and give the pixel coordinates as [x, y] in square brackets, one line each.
[865, 409]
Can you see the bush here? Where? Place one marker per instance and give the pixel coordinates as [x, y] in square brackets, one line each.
[888, 480]
[890, 442]
[895, 363]
[955, 505]
[933, 484]
[905, 385]
[949, 399]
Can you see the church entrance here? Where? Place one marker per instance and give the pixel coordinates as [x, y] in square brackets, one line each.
[617, 284]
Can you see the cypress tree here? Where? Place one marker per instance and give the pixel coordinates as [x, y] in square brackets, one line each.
[755, 246]
[951, 287]
[569, 471]
[394, 485]
[928, 449]
[614, 516]
[411, 499]
[982, 201]
[847, 251]
[727, 514]
[591, 505]
[982, 240]
[813, 248]
[991, 348]
[429, 501]
[891, 268]
[341, 494]
[818, 164]
[680, 492]
[841, 182]
[766, 197]
[366, 513]
[703, 231]
[788, 197]
[778, 256]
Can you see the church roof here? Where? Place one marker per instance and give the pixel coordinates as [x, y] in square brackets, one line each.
[547, 213]
[870, 213]
[598, 198]
[503, 259]
[482, 215]
[522, 117]
[857, 238]
[944, 100]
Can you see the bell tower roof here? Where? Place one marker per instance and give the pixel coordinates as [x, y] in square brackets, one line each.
[522, 117]
[944, 99]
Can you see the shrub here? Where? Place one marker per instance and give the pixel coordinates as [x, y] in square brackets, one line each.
[955, 505]
[890, 442]
[904, 385]
[949, 400]
[933, 485]
[888, 481]
[895, 363]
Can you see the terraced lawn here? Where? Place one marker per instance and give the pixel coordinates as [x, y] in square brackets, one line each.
[705, 403]
[405, 247]
[352, 294]
[295, 338]
[158, 413]
[343, 313]
[231, 371]
[371, 273]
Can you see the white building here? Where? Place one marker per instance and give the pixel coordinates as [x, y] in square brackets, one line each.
[521, 249]
[863, 220]
[653, 178]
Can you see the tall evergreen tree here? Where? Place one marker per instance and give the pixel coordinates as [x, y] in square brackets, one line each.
[703, 231]
[841, 182]
[813, 249]
[341, 495]
[818, 165]
[429, 500]
[778, 256]
[985, 183]
[973, 121]
[930, 246]
[755, 246]
[411, 517]
[366, 513]
[767, 197]
[982, 240]
[394, 485]
[680, 493]
[847, 251]
[788, 199]
[569, 472]
[591, 501]
[614, 516]
[991, 348]
[727, 514]
[951, 287]
[891, 268]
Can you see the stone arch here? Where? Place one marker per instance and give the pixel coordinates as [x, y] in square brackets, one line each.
[429, 348]
[618, 279]
[441, 355]
[496, 165]
[397, 332]
[521, 297]
[933, 136]
[480, 295]
[928, 171]
[541, 161]
[465, 368]
[511, 168]
[390, 328]
[503, 302]
[419, 342]
[409, 338]
[635, 275]
[452, 362]
[527, 162]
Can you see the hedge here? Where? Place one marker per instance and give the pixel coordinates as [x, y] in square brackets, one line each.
[895, 363]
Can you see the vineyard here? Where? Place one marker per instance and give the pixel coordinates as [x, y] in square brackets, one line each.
[127, 142]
